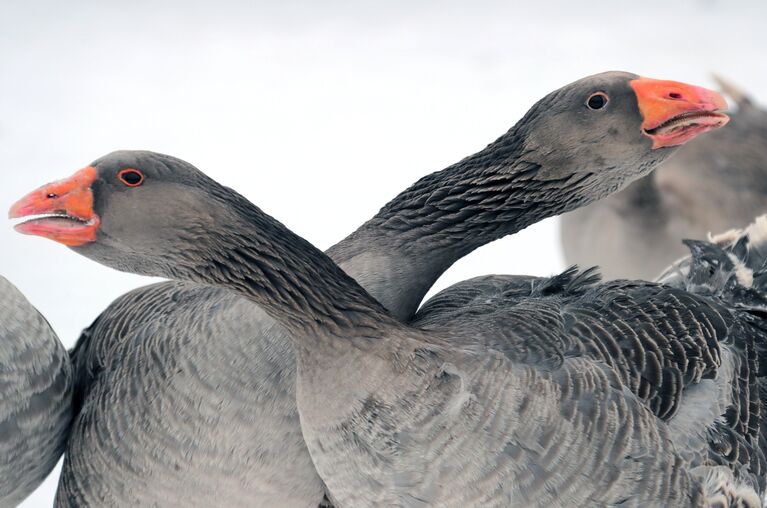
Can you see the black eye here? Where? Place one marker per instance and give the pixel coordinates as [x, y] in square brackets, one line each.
[131, 177]
[597, 100]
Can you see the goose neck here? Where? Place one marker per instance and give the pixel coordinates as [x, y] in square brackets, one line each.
[295, 283]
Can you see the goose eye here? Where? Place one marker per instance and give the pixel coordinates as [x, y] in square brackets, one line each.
[597, 100]
[131, 177]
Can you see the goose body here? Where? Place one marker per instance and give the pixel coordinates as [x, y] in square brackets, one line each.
[230, 379]
[386, 410]
[690, 358]
[712, 184]
[35, 393]
[206, 451]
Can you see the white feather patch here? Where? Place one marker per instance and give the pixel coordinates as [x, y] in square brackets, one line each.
[721, 489]
[757, 231]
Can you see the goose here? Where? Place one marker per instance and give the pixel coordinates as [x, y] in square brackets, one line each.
[35, 396]
[504, 407]
[712, 184]
[210, 377]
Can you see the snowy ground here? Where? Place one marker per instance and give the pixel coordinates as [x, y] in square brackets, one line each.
[319, 112]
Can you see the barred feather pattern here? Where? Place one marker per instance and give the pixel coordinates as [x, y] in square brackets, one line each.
[187, 436]
[499, 417]
[692, 354]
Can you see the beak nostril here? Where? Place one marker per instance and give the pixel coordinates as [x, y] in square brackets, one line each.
[675, 95]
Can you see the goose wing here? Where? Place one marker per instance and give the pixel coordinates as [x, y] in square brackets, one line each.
[692, 359]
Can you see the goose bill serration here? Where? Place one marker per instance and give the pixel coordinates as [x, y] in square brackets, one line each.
[521, 173]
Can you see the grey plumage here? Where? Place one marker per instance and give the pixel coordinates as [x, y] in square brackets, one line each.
[692, 350]
[674, 350]
[559, 392]
[35, 395]
[207, 446]
[712, 184]
[396, 256]
[509, 185]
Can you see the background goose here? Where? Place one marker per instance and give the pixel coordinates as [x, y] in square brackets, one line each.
[712, 184]
[36, 388]
[371, 435]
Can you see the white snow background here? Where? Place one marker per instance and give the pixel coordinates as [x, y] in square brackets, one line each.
[319, 112]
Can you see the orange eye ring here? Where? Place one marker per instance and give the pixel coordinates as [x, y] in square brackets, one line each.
[597, 100]
[131, 177]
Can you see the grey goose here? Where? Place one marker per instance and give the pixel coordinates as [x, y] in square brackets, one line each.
[208, 234]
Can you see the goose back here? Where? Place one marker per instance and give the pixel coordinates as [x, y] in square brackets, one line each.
[693, 349]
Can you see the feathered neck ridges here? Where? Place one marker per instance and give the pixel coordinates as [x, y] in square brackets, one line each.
[486, 196]
[298, 285]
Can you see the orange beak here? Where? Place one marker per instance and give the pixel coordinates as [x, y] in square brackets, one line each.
[674, 113]
[61, 211]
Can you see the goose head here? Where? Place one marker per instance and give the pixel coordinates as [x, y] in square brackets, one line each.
[602, 132]
[136, 211]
